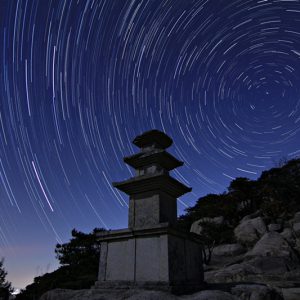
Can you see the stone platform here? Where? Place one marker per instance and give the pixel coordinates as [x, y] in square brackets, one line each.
[160, 258]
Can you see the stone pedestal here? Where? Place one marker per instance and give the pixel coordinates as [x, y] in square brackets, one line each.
[151, 253]
[160, 257]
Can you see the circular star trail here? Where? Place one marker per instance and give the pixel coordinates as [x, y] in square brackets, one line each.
[80, 79]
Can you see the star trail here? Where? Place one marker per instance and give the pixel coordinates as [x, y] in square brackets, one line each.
[80, 79]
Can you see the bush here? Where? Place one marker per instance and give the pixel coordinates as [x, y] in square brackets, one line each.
[79, 259]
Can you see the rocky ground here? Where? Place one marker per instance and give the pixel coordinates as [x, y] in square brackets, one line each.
[238, 292]
[263, 264]
[263, 254]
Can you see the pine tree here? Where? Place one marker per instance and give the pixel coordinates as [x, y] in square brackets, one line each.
[5, 286]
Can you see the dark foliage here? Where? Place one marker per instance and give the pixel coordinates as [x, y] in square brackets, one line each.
[5, 286]
[81, 249]
[79, 259]
[280, 190]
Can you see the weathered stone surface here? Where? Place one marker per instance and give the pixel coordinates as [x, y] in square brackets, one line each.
[146, 213]
[296, 218]
[287, 234]
[148, 249]
[297, 245]
[293, 275]
[274, 227]
[254, 269]
[291, 294]
[287, 224]
[147, 295]
[249, 231]
[271, 265]
[228, 250]
[60, 294]
[251, 216]
[255, 292]
[161, 254]
[218, 220]
[116, 267]
[272, 244]
[197, 227]
[236, 272]
[185, 263]
[219, 262]
[210, 295]
[296, 229]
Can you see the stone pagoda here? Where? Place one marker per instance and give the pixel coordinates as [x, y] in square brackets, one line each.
[151, 252]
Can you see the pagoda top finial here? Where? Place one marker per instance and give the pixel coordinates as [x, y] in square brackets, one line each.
[155, 138]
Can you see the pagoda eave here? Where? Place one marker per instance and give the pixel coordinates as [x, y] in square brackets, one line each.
[162, 158]
[153, 136]
[146, 183]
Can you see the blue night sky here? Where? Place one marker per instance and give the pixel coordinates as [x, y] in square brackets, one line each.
[80, 79]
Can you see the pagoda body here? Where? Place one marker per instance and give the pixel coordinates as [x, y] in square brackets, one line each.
[151, 252]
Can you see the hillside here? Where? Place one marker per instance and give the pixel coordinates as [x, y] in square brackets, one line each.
[275, 195]
[251, 233]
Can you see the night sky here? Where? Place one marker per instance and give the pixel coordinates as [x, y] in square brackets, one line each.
[80, 79]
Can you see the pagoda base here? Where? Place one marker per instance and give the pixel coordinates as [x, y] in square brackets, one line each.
[178, 289]
[159, 258]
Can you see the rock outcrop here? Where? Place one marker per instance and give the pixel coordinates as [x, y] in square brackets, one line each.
[296, 218]
[287, 234]
[274, 227]
[255, 291]
[232, 273]
[249, 231]
[291, 294]
[272, 244]
[296, 229]
[197, 226]
[228, 250]
[271, 262]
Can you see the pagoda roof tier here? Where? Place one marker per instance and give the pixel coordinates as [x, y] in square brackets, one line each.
[146, 183]
[159, 157]
[153, 137]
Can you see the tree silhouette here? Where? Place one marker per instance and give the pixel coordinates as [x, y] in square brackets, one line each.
[80, 249]
[79, 259]
[5, 286]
